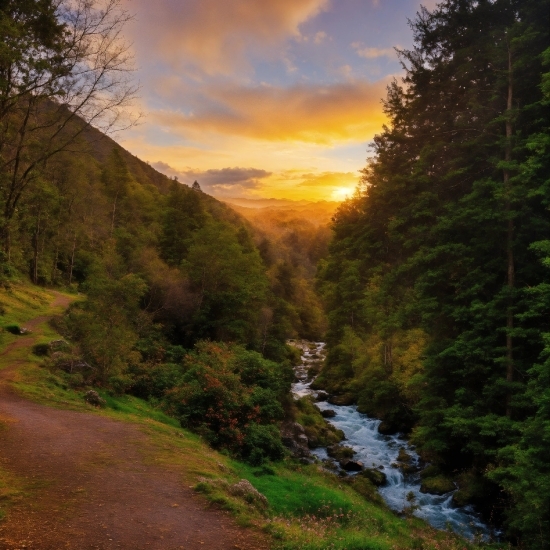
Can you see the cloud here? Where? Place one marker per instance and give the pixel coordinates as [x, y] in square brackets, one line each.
[221, 182]
[323, 114]
[328, 179]
[320, 37]
[165, 168]
[215, 37]
[372, 53]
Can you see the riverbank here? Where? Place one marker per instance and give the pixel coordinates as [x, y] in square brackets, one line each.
[89, 450]
[389, 455]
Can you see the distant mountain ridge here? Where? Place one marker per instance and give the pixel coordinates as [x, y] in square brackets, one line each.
[275, 203]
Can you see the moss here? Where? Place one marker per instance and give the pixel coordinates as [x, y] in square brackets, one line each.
[340, 453]
[375, 476]
[430, 471]
[318, 431]
[403, 455]
[471, 488]
[365, 488]
[438, 485]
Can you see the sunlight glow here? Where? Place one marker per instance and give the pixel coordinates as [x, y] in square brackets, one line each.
[342, 193]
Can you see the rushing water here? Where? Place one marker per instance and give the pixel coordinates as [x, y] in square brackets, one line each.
[380, 451]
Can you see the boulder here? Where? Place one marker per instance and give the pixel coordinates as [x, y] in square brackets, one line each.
[71, 365]
[386, 429]
[430, 471]
[294, 438]
[340, 452]
[405, 462]
[403, 455]
[344, 399]
[375, 476]
[328, 413]
[351, 465]
[322, 395]
[438, 485]
[245, 490]
[330, 464]
[93, 398]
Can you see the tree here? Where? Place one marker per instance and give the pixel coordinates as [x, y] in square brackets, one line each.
[63, 66]
[116, 178]
[440, 244]
[229, 283]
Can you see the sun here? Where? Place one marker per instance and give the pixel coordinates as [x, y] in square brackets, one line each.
[342, 193]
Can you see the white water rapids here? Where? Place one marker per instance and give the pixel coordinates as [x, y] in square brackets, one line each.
[380, 451]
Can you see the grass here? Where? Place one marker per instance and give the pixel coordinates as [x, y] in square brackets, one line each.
[309, 508]
[315, 510]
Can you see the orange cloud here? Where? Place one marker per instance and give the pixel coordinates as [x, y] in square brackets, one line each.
[328, 179]
[309, 113]
[214, 36]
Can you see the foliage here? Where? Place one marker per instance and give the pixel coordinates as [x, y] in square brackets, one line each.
[63, 66]
[232, 397]
[292, 240]
[437, 301]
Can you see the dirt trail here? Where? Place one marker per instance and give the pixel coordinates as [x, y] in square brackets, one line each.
[90, 488]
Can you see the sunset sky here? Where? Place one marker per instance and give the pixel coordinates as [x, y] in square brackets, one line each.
[264, 98]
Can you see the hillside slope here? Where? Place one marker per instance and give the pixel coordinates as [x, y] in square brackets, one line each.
[85, 480]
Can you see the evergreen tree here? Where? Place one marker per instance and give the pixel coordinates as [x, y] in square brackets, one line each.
[439, 239]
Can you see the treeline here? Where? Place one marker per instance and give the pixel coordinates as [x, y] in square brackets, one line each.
[437, 280]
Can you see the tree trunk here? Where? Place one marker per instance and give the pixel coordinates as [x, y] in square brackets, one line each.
[36, 241]
[509, 239]
[72, 260]
[113, 215]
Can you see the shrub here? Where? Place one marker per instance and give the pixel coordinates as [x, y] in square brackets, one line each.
[41, 349]
[262, 442]
[231, 396]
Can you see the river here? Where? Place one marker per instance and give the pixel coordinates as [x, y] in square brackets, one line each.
[375, 450]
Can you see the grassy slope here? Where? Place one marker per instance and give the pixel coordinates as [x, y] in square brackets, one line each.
[308, 507]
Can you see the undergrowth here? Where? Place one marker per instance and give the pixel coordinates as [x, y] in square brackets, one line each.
[309, 508]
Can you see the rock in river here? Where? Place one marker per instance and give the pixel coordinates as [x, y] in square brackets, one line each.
[351, 465]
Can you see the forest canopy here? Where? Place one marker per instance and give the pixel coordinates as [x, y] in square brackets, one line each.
[437, 280]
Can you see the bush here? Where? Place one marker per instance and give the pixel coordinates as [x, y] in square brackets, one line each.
[262, 443]
[152, 381]
[41, 349]
[13, 329]
[231, 396]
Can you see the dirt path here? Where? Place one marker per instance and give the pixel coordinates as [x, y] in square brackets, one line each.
[90, 488]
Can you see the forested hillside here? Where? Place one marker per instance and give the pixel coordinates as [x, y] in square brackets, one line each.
[437, 280]
[292, 238]
[180, 308]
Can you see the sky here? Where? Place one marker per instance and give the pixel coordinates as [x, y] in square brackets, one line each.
[264, 98]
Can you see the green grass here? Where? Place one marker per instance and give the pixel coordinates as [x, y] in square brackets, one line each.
[133, 406]
[293, 493]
